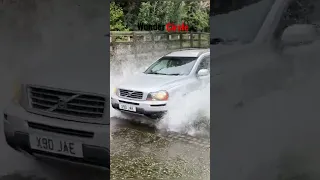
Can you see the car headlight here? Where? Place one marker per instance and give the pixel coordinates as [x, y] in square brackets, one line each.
[115, 91]
[17, 87]
[158, 96]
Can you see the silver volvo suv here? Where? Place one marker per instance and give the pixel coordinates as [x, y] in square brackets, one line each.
[61, 112]
[149, 92]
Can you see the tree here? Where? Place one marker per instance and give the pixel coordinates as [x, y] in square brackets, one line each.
[116, 18]
[194, 13]
[197, 16]
[161, 12]
[130, 10]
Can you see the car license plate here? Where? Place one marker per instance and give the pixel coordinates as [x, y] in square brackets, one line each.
[55, 145]
[127, 107]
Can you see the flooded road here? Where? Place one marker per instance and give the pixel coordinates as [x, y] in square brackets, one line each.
[140, 151]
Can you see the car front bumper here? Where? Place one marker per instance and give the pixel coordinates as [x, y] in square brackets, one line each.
[148, 108]
[95, 138]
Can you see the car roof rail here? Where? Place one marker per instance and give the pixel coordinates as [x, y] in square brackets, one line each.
[204, 50]
[184, 49]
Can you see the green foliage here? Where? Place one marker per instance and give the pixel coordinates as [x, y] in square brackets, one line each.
[162, 12]
[198, 17]
[116, 18]
[179, 12]
[130, 10]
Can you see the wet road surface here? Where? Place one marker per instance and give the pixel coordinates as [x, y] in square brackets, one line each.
[139, 151]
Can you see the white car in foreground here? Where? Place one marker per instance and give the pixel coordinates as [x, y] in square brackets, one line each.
[177, 72]
[60, 112]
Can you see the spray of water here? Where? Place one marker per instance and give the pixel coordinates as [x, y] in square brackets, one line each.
[186, 113]
[189, 113]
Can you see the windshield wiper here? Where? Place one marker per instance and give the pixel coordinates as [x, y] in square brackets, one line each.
[215, 41]
[173, 74]
[156, 73]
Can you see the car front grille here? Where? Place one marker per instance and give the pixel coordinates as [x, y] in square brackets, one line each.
[130, 94]
[66, 102]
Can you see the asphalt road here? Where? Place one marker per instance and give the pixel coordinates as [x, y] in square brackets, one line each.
[139, 151]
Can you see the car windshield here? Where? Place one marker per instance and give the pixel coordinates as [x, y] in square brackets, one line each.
[239, 24]
[174, 66]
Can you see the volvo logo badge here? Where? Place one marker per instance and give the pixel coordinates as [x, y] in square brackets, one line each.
[62, 103]
[129, 93]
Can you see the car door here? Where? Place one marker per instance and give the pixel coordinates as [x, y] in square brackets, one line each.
[195, 82]
[265, 66]
[282, 66]
[204, 64]
[240, 57]
[304, 57]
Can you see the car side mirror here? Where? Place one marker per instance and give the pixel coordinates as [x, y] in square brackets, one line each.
[298, 34]
[203, 72]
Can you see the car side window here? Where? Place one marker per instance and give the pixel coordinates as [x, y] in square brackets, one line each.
[298, 12]
[204, 64]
